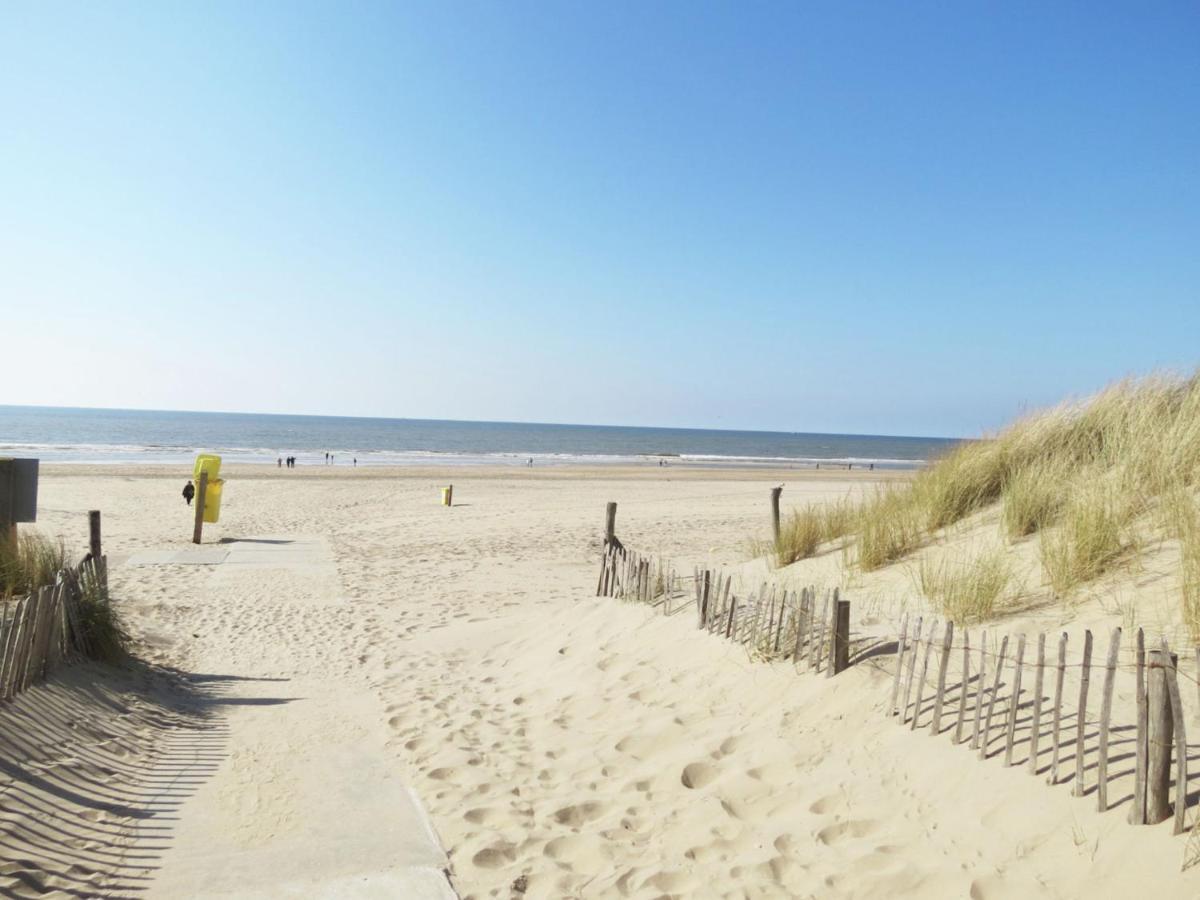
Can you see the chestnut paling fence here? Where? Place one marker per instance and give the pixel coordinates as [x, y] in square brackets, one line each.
[46, 629]
[998, 695]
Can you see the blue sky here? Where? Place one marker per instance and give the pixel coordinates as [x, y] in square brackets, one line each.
[882, 218]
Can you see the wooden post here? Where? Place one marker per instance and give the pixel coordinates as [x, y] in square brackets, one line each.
[801, 611]
[705, 587]
[775, 492]
[732, 619]
[924, 672]
[819, 644]
[912, 664]
[8, 527]
[201, 490]
[610, 523]
[1085, 675]
[1110, 675]
[987, 720]
[1137, 810]
[1015, 703]
[980, 686]
[1160, 737]
[841, 635]
[94, 533]
[1036, 724]
[935, 727]
[1058, 692]
[901, 645]
[1180, 739]
[966, 680]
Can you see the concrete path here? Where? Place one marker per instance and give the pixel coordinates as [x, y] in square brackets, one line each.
[306, 800]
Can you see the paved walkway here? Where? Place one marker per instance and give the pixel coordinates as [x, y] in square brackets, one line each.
[305, 800]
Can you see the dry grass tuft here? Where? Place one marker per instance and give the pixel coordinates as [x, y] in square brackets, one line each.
[33, 562]
[970, 590]
[1094, 533]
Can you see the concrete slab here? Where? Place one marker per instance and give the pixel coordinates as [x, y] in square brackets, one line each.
[200, 556]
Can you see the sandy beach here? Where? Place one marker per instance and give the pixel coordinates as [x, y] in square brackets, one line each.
[562, 745]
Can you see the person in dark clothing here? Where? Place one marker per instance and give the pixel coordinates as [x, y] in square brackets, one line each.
[189, 491]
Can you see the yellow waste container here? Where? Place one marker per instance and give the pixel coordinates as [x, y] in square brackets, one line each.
[212, 500]
[207, 462]
[447, 495]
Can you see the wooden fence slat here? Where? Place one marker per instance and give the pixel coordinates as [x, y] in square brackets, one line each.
[819, 646]
[1110, 675]
[1015, 701]
[943, 664]
[1085, 677]
[991, 708]
[912, 664]
[1137, 809]
[831, 660]
[1180, 739]
[802, 602]
[1035, 725]
[901, 644]
[962, 694]
[1057, 719]
[924, 673]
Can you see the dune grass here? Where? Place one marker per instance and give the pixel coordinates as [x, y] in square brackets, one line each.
[1182, 522]
[1078, 475]
[802, 532]
[32, 562]
[968, 590]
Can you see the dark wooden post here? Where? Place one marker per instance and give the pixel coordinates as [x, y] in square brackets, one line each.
[8, 525]
[1160, 737]
[775, 492]
[841, 636]
[1085, 676]
[1137, 810]
[201, 490]
[610, 523]
[1110, 676]
[94, 533]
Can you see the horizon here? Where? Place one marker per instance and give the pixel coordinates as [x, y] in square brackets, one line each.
[917, 221]
[216, 412]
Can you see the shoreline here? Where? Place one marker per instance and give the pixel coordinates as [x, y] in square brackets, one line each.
[260, 472]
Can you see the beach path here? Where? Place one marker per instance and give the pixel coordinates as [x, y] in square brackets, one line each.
[302, 802]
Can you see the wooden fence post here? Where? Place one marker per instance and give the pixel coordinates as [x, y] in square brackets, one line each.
[201, 490]
[1160, 735]
[1180, 729]
[775, 492]
[1137, 810]
[1085, 676]
[1110, 675]
[1015, 704]
[841, 635]
[980, 687]
[962, 694]
[924, 673]
[1057, 720]
[1035, 725]
[987, 722]
[912, 664]
[900, 647]
[94, 533]
[610, 523]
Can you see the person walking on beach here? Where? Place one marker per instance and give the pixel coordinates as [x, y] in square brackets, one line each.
[279, 462]
[189, 491]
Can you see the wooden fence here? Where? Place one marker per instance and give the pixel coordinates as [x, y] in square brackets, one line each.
[980, 695]
[772, 623]
[45, 630]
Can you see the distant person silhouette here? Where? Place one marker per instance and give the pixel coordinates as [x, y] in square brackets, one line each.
[279, 462]
[356, 462]
[189, 491]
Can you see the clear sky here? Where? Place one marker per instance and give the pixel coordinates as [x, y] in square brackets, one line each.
[886, 218]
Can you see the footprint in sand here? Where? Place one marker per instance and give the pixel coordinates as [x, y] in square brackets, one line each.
[698, 774]
[579, 814]
[843, 831]
[496, 856]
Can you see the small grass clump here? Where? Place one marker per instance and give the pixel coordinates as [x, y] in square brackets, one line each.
[799, 535]
[1091, 537]
[971, 590]
[31, 562]
[104, 633]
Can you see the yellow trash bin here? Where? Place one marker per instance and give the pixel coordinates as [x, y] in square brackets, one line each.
[447, 495]
[212, 500]
[207, 462]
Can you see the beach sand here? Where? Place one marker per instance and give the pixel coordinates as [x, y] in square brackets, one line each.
[563, 745]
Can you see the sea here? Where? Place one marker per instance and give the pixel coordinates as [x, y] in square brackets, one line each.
[124, 436]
